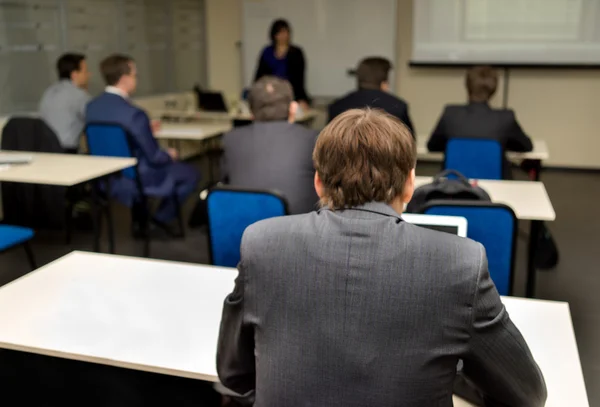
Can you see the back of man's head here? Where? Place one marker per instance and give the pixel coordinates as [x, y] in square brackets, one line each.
[362, 156]
[270, 99]
[114, 67]
[373, 72]
[69, 63]
[481, 82]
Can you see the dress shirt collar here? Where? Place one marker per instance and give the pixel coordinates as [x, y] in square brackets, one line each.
[116, 91]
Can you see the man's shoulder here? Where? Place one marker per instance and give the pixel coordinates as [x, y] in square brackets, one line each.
[277, 228]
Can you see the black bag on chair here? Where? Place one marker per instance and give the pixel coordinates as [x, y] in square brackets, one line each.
[446, 188]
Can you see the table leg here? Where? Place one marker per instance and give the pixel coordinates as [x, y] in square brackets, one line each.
[536, 226]
[96, 218]
[536, 169]
[109, 219]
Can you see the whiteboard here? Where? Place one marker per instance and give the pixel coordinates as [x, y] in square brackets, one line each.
[507, 31]
[334, 35]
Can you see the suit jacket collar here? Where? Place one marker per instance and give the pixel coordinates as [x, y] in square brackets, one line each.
[379, 208]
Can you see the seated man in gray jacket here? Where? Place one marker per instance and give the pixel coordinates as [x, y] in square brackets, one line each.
[351, 306]
[273, 153]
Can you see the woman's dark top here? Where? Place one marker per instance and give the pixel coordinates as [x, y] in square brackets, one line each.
[291, 68]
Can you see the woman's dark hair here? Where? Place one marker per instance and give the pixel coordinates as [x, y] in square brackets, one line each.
[277, 26]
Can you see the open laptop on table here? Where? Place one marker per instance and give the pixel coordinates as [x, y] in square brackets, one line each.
[455, 225]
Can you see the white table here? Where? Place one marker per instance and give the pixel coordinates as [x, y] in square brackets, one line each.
[62, 169]
[198, 131]
[164, 317]
[539, 153]
[530, 201]
[68, 170]
[304, 117]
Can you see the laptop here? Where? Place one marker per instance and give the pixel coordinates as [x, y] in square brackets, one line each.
[455, 225]
[15, 158]
[211, 101]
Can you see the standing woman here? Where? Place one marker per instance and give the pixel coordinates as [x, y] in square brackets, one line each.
[284, 60]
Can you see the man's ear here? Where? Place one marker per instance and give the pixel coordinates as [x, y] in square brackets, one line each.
[385, 86]
[292, 112]
[318, 185]
[409, 187]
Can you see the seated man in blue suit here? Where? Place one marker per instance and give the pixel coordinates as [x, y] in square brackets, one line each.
[157, 167]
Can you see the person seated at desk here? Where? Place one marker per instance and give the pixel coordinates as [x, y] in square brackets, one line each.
[273, 152]
[62, 106]
[478, 120]
[373, 91]
[352, 306]
[155, 165]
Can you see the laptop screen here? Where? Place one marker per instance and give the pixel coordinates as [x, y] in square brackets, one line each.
[455, 225]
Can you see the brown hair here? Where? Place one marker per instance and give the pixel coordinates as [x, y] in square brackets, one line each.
[114, 67]
[481, 83]
[363, 155]
[270, 99]
[372, 72]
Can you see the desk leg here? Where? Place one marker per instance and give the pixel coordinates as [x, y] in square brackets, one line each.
[96, 217]
[536, 170]
[536, 226]
[109, 219]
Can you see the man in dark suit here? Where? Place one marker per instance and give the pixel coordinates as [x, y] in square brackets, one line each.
[373, 91]
[352, 306]
[273, 152]
[478, 120]
[157, 167]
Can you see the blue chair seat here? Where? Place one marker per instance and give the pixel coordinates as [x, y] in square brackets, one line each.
[13, 236]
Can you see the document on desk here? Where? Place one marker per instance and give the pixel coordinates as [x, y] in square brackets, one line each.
[6, 159]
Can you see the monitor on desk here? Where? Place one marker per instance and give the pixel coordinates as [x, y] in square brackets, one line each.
[211, 101]
[455, 225]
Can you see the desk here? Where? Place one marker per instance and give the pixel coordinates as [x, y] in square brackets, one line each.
[304, 118]
[198, 131]
[68, 170]
[163, 317]
[529, 200]
[192, 131]
[537, 155]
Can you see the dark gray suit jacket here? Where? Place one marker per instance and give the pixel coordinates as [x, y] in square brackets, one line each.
[273, 155]
[479, 120]
[359, 308]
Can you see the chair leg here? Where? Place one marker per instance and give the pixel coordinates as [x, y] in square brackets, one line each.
[145, 225]
[68, 222]
[179, 217]
[30, 256]
[109, 219]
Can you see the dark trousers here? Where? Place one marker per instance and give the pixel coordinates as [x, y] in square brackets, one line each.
[186, 178]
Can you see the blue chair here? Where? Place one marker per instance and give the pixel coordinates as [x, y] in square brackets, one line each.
[230, 212]
[112, 140]
[493, 225]
[475, 158]
[13, 236]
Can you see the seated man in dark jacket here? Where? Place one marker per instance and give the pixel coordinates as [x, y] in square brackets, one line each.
[478, 120]
[273, 152]
[373, 91]
[157, 167]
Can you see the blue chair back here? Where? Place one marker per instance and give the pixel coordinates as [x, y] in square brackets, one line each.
[230, 212]
[11, 236]
[110, 140]
[492, 225]
[475, 158]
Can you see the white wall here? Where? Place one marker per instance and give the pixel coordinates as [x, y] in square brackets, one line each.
[558, 106]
